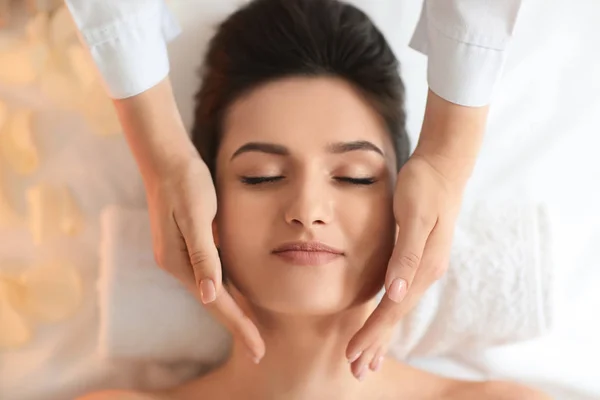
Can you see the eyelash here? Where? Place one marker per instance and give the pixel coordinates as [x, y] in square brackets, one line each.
[257, 180]
[356, 181]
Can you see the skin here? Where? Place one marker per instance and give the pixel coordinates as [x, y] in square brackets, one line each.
[427, 200]
[181, 202]
[307, 314]
[31, 5]
[182, 206]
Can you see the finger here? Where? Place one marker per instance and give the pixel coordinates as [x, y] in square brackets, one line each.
[388, 313]
[203, 256]
[229, 313]
[170, 251]
[360, 367]
[377, 361]
[406, 256]
[206, 264]
[433, 265]
[379, 324]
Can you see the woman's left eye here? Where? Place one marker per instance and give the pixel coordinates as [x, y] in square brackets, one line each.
[356, 181]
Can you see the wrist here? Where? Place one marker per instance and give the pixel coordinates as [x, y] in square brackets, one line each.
[451, 137]
[158, 162]
[454, 169]
[155, 132]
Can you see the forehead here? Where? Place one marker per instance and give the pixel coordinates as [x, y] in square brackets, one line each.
[302, 112]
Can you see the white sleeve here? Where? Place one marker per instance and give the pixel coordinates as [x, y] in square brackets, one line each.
[127, 40]
[465, 42]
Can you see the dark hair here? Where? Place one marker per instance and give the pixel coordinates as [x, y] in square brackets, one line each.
[267, 40]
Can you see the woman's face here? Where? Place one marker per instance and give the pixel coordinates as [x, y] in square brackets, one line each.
[305, 178]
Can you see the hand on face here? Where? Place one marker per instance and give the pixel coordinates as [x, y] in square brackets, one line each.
[426, 205]
[182, 205]
[288, 180]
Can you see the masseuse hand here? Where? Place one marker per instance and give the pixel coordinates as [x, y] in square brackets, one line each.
[182, 204]
[427, 200]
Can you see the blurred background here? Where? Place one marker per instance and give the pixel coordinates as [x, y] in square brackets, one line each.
[63, 161]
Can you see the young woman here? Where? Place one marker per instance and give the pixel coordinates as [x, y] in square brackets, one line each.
[466, 43]
[300, 121]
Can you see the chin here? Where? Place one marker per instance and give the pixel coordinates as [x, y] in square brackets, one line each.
[304, 307]
[308, 291]
[323, 299]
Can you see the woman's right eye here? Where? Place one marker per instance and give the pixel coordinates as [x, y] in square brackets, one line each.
[257, 180]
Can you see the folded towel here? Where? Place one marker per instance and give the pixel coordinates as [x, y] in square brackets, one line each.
[145, 313]
[497, 290]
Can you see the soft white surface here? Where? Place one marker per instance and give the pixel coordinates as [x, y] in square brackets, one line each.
[135, 296]
[542, 143]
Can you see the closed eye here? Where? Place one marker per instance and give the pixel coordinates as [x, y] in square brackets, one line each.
[257, 180]
[356, 181]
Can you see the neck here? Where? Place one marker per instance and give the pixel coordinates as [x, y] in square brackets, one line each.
[305, 357]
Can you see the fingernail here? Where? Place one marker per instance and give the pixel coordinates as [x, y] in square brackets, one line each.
[397, 290]
[354, 357]
[254, 358]
[378, 363]
[362, 373]
[208, 292]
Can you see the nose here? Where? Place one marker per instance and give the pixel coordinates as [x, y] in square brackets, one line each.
[310, 203]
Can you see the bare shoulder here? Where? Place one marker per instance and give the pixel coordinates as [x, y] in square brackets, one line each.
[495, 390]
[119, 395]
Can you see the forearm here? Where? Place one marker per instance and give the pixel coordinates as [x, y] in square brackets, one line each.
[128, 43]
[451, 136]
[154, 129]
[466, 43]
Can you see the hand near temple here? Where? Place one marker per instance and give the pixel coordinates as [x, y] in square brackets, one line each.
[427, 200]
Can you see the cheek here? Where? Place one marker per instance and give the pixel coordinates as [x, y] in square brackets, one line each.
[369, 222]
[370, 230]
[243, 226]
[236, 223]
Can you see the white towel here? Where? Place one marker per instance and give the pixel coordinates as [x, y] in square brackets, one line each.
[145, 313]
[497, 290]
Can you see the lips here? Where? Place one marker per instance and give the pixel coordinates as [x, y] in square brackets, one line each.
[308, 247]
[307, 253]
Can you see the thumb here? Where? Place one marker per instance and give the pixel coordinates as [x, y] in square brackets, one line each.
[203, 255]
[406, 257]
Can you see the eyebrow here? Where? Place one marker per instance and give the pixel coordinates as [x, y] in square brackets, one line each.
[357, 145]
[334, 148]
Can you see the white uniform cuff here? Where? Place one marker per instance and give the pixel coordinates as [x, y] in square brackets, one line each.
[131, 54]
[459, 72]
